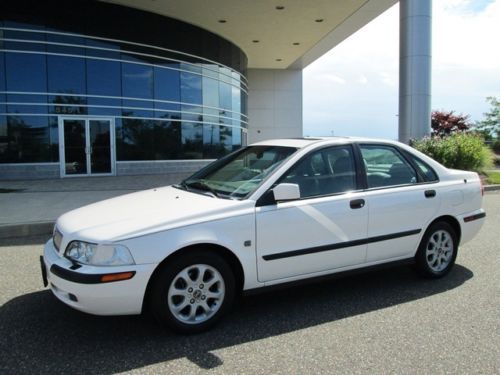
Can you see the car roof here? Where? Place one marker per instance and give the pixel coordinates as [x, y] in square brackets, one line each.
[307, 141]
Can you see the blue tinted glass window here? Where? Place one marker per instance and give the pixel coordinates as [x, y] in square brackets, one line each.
[192, 113]
[137, 81]
[212, 148]
[68, 104]
[102, 49]
[3, 131]
[66, 74]
[226, 137]
[237, 141]
[225, 96]
[104, 106]
[192, 141]
[27, 140]
[65, 39]
[210, 92]
[134, 108]
[25, 72]
[104, 78]
[23, 36]
[54, 138]
[167, 110]
[135, 140]
[27, 103]
[2, 74]
[167, 84]
[191, 88]
[167, 140]
[236, 102]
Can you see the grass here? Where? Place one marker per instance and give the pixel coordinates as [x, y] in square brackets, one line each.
[493, 177]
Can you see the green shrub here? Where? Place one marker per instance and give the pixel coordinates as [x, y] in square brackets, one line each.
[459, 151]
[496, 146]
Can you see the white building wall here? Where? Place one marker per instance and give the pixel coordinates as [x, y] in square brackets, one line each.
[274, 104]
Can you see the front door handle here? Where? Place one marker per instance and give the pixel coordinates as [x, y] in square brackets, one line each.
[430, 193]
[357, 203]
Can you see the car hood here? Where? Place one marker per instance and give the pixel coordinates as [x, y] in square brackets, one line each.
[144, 212]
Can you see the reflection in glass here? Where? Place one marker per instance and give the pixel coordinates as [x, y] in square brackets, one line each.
[26, 72]
[137, 81]
[27, 140]
[103, 78]
[191, 88]
[100, 146]
[93, 85]
[225, 98]
[66, 74]
[75, 157]
[192, 141]
[167, 84]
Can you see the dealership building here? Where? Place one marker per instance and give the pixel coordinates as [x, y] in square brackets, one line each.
[94, 88]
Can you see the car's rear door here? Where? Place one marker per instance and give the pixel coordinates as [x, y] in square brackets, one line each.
[402, 199]
[322, 230]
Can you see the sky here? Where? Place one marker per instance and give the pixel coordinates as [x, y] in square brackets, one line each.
[353, 89]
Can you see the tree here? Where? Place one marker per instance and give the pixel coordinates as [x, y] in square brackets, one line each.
[490, 126]
[446, 123]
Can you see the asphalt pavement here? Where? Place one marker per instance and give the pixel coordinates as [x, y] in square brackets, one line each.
[381, 322]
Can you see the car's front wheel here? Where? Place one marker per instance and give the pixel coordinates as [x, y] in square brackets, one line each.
[192, 292]
[438, 250]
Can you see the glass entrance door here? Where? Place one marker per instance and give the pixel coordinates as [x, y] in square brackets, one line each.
[86, 146]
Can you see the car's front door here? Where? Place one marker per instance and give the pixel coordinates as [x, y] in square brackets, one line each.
[321, 231]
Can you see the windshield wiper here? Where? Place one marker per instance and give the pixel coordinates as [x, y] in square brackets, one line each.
[200, 185]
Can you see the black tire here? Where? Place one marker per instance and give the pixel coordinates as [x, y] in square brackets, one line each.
[197, 296]
[437, 251]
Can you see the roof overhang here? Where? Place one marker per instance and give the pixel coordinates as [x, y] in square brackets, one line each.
[273, 38]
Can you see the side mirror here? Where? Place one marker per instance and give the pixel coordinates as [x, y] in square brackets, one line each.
[286, 192]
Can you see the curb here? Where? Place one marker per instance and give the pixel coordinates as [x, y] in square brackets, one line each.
[26, 229]
[491, 187]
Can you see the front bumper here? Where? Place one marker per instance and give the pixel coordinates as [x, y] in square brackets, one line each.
[82, 289]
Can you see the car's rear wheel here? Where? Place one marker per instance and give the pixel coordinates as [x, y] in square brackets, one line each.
[437, 251]
[190, 294]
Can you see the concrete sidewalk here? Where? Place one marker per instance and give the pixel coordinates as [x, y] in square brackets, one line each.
[30, 207]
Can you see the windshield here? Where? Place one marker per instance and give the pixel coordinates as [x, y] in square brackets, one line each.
[238, 174]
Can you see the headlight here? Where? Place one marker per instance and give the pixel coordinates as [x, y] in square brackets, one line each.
[99, 255]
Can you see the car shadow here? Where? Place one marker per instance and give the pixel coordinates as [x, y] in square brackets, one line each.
[40, 334]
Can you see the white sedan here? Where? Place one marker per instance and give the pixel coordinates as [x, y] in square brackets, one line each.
[275, 212]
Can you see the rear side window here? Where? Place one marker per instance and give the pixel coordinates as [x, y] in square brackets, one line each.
[425, 169]
[385, 166]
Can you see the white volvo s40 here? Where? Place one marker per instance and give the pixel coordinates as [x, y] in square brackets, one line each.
[271, 213]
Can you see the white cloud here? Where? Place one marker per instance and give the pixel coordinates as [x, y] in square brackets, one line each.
[360, 95]
[333, 78]
[362, 79]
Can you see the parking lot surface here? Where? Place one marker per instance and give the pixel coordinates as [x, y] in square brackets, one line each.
[388, 321]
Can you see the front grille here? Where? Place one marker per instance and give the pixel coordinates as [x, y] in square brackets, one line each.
[57, 239]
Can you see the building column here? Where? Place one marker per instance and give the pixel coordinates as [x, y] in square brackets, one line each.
[274, 104]
[415, 25]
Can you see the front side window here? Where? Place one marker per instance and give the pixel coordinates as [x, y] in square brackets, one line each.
[385, 166]
[324, 172]
[238, 174]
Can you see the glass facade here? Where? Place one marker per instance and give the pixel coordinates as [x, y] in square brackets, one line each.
[170, 90]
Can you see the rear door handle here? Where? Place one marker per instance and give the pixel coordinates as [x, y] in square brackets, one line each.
[357, 203]
[430, 193]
